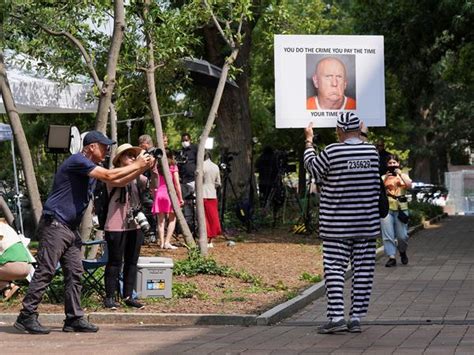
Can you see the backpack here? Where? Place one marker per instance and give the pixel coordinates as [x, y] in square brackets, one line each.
[101, 202]
[383, 200]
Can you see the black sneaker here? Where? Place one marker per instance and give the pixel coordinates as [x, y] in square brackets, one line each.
[133, 303]
[391, 262]
[111, 304]
[333, 327]
[404, 258]
[29, 323]
[79, 325]
[353, 326]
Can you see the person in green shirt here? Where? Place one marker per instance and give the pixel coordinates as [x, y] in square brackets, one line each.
[15, 260]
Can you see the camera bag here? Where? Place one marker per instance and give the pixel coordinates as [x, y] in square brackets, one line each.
[403, 217]
[101, 202]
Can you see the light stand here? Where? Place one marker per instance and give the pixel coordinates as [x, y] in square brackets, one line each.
[58, 141]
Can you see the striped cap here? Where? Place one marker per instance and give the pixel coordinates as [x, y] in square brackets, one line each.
[348, 121]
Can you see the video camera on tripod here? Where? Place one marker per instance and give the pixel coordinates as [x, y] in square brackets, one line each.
[180, 157]
[281, 158]
[226, 160]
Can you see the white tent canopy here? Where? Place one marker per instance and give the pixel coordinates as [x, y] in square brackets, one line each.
[40, 95]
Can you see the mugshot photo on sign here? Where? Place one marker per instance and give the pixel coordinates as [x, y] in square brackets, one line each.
[330, 82]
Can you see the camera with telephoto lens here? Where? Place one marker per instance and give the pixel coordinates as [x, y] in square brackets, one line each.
[137, 215]
[156, 153]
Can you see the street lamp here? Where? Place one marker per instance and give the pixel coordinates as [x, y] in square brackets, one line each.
[128, 122]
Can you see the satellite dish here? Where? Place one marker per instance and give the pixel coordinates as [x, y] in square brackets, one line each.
[76, 141]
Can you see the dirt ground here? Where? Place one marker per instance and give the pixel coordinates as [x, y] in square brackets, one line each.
[277, 257]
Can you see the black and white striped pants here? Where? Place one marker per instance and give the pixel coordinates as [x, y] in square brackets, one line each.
[337, 254]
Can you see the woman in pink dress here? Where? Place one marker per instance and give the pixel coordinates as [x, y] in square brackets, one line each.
[162, 202]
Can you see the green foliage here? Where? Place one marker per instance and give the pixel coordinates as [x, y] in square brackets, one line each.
[416, 217]
[426, 210]
[291, 294]
[184, 290]
[195, 264]
[280, 286]
[312, 278]
[247, 277]
[428, 57]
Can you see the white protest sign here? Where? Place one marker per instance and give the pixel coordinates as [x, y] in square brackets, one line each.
[316, 77]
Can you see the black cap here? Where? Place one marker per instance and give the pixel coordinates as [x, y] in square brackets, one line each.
[96, 137]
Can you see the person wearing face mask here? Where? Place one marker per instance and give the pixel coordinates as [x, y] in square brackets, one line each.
[187, 169]
[395, 225]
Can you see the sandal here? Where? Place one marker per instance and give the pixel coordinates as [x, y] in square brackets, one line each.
[9, 291]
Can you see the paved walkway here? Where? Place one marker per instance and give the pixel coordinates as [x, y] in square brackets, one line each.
[437, 285]
[426, 307]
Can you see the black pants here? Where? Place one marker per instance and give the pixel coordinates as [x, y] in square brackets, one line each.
[124, 245]
[187, 190]
[57, 243]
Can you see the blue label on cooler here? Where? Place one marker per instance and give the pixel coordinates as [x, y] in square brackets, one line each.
[150, 285]
[155, 285]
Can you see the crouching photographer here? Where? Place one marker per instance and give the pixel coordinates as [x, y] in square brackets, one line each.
[125, 229]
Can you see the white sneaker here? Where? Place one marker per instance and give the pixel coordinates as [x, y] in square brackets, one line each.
[169, 246]
[210, 245]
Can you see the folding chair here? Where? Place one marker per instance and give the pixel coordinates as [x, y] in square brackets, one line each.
[93, 277]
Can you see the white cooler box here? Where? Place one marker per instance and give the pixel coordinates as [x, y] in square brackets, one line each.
[154, 277]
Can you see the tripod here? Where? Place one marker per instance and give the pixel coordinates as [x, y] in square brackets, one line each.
[308, 222]
[226, 179]
[279, 194]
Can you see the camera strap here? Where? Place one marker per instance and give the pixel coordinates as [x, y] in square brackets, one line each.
[140, 196]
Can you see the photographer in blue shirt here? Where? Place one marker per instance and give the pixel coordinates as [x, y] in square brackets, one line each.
[58, 234]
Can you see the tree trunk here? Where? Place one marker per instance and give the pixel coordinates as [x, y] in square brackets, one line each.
[150, 79]
[21, 143]
[201, 216]
[106, 107]
[113, 132]
[234, 131]
[422, 161]
[109, 81]
[6, 212]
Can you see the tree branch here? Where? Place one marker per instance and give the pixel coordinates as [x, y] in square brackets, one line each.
[219, 27]
[74, 41]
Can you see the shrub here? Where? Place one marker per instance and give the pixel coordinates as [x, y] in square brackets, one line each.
[416, 217]
[306, 276]
[196, 264]
[184, 290]
[424, 210]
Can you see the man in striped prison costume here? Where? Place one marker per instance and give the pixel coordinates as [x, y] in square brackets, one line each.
[349, 218]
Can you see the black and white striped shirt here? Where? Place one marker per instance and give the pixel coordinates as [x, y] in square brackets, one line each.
[349, 177]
